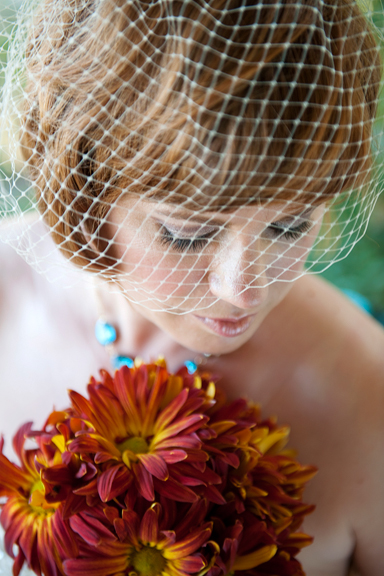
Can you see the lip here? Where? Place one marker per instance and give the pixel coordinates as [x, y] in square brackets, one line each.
[228, 327]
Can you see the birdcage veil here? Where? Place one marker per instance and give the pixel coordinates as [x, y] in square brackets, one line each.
[162, 143]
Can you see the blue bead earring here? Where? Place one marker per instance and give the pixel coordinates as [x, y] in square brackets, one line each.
[106, 336]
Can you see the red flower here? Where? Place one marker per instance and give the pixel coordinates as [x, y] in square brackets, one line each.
[227, 496]
[136, 544]
[32, 523]
[140, 424]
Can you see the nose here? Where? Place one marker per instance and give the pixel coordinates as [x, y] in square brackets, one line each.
[238, 274]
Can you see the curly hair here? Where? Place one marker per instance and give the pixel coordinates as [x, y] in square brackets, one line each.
[123, 97]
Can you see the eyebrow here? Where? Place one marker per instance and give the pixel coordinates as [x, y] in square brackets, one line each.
[185, 214]
[306, 212]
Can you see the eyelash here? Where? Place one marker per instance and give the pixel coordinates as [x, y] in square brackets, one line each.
[197, 244]
[293, 233]
[183, 244]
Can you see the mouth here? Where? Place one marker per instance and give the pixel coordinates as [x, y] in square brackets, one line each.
[228, 327]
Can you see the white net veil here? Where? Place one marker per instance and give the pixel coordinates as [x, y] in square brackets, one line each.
[173, 148]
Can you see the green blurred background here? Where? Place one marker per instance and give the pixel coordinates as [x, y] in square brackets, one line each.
[363, 270]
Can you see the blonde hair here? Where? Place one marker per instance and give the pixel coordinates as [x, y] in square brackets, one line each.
[142, 136]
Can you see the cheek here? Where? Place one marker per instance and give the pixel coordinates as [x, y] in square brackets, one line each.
[162, 275]
[288, 263]
[155, 277]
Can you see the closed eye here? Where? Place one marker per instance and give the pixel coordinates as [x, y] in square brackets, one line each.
[281, 231]
[183, 244]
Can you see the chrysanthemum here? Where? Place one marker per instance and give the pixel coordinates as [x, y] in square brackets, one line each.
[266, 485]
[228, 494]
[270, 480]
[136, 545]
[244, 542]
[31, 523]
[139, 425]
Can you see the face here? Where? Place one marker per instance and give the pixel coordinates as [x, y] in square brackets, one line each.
[209, 279]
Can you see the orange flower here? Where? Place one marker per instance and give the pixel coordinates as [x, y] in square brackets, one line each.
[36, 526]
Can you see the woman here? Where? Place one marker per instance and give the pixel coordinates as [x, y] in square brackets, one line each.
[184, 155]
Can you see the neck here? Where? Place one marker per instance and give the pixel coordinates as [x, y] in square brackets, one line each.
[136, 334]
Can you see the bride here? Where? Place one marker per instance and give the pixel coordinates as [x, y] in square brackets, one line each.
[185, 158]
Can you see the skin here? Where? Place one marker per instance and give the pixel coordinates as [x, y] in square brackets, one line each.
[309, 356]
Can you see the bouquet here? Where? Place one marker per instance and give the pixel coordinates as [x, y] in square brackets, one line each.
[154, 474]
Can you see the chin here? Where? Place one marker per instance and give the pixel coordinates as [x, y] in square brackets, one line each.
[216, 345]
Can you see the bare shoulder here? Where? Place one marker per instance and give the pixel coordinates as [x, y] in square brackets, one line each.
[27, 236]
[50, 297]
[340, 382]
[16, 276]
[46, 338]
[341, 356]
[334, 321]
[23, 290]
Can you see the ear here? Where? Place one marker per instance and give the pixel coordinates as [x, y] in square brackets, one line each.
[101, 244]
[91, 239]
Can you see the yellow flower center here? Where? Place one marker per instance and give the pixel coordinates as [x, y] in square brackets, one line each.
[37, 499]
[148, 562]
[135, 444]
[38, 486]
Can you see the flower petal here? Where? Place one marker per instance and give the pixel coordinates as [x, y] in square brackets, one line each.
[168, 537]
[13, 528]
[125, 390]
[155, 398]
[90, 529]
[144, 481]
[46, 554]
[192, 564]
[194, 517]
[188, 442]
[112, 482]
[89, 489]
[172, 456]
[170, 412]
[188, 424]
[149, 527]
[12, 477]
[132, 524]
[190, 544]
[27, 542]
[255, 558]
[175, 491]
[213, 495]
[18, 563]
[64, 538]
[19, 439]
[98, 566]
[155, 465]
[92, 444]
